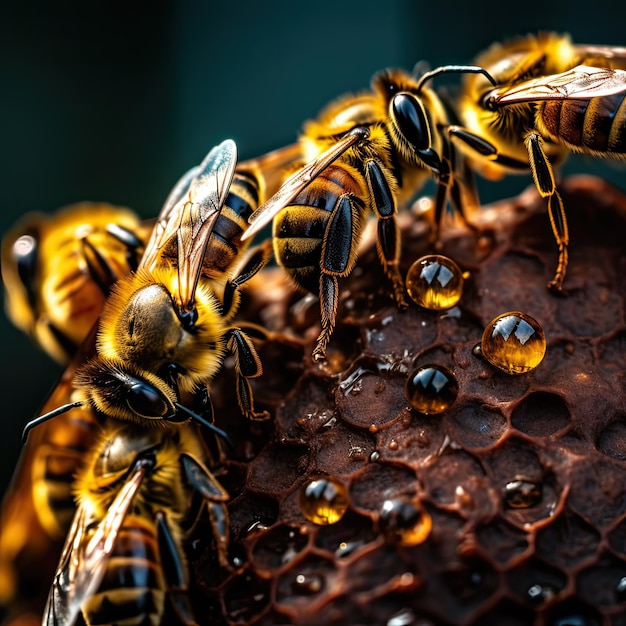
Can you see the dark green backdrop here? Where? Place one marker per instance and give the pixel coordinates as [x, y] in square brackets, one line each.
[107, 102]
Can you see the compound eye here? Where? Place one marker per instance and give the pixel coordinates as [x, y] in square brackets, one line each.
[411, 121]
[146, 401]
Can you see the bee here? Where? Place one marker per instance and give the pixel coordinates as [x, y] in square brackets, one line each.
[365, 153]
[135, 506]
[58, 270]
[193, 251]
[546, 97]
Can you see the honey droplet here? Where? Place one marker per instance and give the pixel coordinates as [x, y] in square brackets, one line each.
[323, 500]
[522, 494]
[404, 522]
[513, 342]
[435, 282]
[431, 389]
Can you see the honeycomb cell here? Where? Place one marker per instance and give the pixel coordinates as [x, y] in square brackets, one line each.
[513, 342]
[612, 440]
[435, 282]
[278, 546]
[501, 541]
[540, 414]
[603, 583]
[314, 576]
[404, 523]
[431, 389]
[535, 582]
[323, 500]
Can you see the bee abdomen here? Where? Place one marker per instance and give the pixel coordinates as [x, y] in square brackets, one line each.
[597, 124]
[240, 203]
[132, 590]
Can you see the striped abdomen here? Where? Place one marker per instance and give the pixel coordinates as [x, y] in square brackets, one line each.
[300, 228]
[133, 589]
[225, 243]
[597, 124]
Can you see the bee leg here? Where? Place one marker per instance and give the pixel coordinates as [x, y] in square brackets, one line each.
[255, 262]
[247, 365]
[174, 570]
[127, 238]
[543, 175]
[201, 479]
[337, 258]
[388, 243]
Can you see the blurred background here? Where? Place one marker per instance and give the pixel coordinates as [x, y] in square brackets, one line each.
[114, 101]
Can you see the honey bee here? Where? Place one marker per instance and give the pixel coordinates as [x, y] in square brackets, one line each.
[58, 270]
[193, 249]
[547, 97]
[135, 507]
[366, 152]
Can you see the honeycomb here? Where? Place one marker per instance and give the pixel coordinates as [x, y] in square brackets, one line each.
[507, 508]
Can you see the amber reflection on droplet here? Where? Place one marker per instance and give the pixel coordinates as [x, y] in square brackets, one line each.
[522, 494]
[323, 500]
[404, 523]
[431, 389]
[435, 282]
[513, 342]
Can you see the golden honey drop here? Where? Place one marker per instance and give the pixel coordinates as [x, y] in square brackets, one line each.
[431, 389]
[435, 282]
[323, 500]
[522, 494]
[513, 342]
[404, 523]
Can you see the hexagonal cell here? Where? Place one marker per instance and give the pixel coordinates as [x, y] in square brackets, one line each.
[617, 538]
[249, 514]
[412, 439]
[454, 470]
[502, 542]
[369, 397]
[597, 490]
[274, 548]
[612, 439]
[603, 584]
[567, 542]
[307, 580]
[341, 449]
[535, 582]
[379, 482]
[475, 426]
[351, 533]
[540, 414]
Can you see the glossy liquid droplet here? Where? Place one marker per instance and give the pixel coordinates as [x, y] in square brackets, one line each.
[404, 522]
[435, 282]
[323, 500]
[522, 494]
[308, 584]
[431, 389]
[513, 342]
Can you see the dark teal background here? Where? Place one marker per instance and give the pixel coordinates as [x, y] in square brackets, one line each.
[113, 101]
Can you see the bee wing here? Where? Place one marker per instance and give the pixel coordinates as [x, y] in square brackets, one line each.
[299, 180]
[580, 83]
[611, 53]
[161, 232]
[84, 558]
[190, 212]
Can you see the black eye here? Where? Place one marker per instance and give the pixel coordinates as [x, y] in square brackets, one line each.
[146, 401]
[410, 119]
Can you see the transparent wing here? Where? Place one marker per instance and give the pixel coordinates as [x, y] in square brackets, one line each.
[84, 558]
[160, 233]
[189, 213]
[611, 53]
[298, 181]
[580, 83]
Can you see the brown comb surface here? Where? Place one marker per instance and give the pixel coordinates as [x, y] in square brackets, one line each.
[523, 478]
